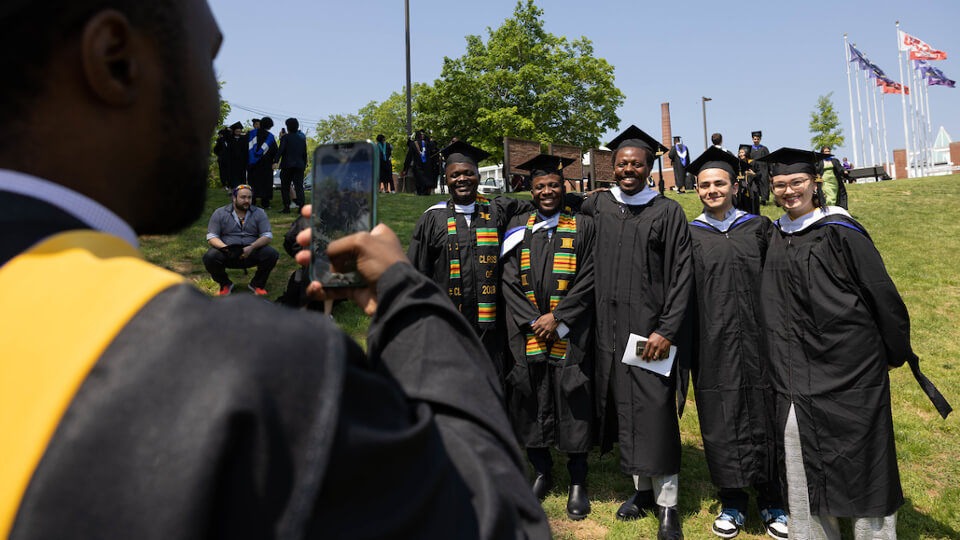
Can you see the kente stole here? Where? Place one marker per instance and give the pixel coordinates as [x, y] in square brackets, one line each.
[564, 270]
[488, 252]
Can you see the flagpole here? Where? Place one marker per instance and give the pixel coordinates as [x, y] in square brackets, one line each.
[917, 140]
[866, 84]
[863, 150]
[876, 120]
[853, 125]
[888, 166]
[921, 135]
[903, 102]
[930, 138]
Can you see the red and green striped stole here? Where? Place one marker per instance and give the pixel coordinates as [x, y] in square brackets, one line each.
[486, 276]
[563, 272]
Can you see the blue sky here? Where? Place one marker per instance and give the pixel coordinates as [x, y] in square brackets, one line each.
[763, 68]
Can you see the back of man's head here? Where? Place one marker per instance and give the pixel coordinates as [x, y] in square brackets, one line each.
[716, 139]
[114, 67]
[292, 125]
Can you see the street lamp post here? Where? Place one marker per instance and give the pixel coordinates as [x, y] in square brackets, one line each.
[406, 17]
[703, 102]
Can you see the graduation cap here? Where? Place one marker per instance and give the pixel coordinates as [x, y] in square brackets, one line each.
[545, 164]
[792, 160]
[676, 137]
[461, 152]
[236, 125]
[715, 158]
[254, 120]
[635, 137]
[756, 134]
[746, 148]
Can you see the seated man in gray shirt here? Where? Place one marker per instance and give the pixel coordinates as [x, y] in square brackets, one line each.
[239, 235]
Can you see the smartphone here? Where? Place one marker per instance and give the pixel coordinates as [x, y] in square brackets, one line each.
[344, 202]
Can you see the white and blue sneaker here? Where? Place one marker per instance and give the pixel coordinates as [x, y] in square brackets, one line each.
[728, 523]
[775, 521]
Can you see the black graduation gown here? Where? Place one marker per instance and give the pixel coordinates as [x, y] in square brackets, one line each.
[415, 165]
[239, 158]
[222, 150]
[643, 278]
[748, 194]
[835, 322]
[551, 404]
[176, 433]
[762, 169]
[734, 400]
[428, 253]
[261, 172]
[679, 169]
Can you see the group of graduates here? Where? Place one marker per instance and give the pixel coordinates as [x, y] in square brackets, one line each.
[610, 301]
[247, 158]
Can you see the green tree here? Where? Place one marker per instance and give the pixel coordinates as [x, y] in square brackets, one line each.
[522, 82]
[339, 127]
[388, 117]
[825, 124]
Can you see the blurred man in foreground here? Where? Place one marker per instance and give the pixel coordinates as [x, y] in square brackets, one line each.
[125, 416]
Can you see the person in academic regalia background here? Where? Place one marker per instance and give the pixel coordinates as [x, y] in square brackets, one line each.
[758, 151]
[832, 178]
[238, 156]
[748, 192]
[134, 406]
[221, 149]
[263, 149]
[836, 324]
[547, 283]
[416, 163]
[680, 157]
[643, 279]
[734, 400]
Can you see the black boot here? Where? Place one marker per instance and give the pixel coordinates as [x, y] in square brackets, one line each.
[669, 523]
[578, 502]
[635, 506]
[542, 485]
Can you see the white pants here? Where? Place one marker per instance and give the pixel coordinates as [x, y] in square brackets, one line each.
[806, 526]
[664, 488]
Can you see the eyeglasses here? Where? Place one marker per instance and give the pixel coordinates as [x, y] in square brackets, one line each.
[795, 185]
[241, 186]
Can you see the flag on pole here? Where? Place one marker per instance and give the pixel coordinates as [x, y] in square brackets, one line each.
[919, 50]
[940, 80]
[859, 58]
[934, 76]
[890, 87]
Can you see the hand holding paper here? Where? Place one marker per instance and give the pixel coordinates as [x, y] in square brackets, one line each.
[661, 367]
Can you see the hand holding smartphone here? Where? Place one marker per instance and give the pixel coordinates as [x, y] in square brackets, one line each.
[344, 202]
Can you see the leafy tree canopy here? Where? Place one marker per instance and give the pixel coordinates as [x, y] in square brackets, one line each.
[522, 82]
[388, 117]
[825, 124]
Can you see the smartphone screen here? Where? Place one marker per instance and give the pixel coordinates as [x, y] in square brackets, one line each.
[344, 202]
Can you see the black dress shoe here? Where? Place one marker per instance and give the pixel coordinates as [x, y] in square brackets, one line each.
[635, 505]
[578, 502]
[542, 485]
[669, 524]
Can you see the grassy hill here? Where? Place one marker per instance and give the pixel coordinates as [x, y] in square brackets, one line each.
[914, 226]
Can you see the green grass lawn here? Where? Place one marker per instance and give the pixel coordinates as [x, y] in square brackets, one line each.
[914, 226]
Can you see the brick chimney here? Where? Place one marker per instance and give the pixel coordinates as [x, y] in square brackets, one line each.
[667, 132]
